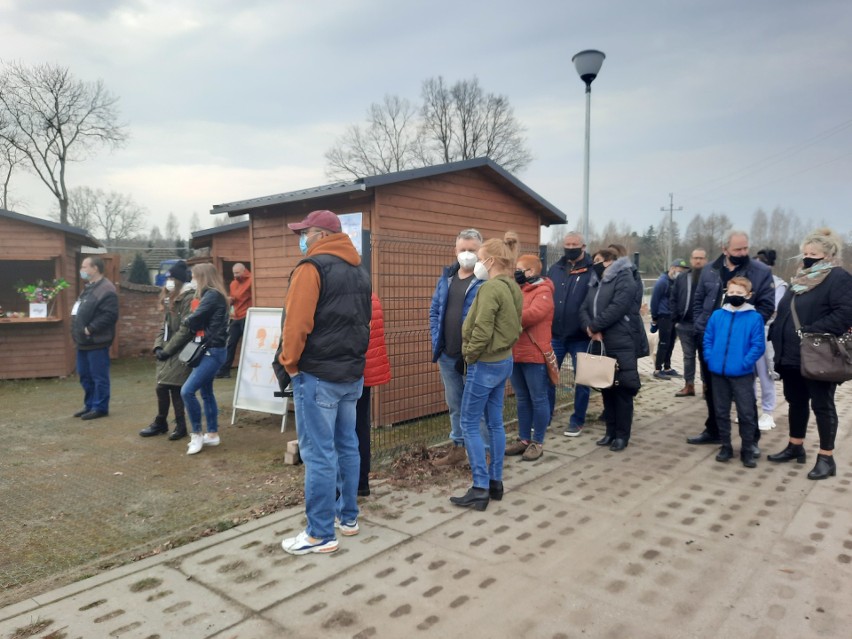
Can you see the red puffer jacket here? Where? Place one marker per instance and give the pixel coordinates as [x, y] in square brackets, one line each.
[536, 318]
[377, 371]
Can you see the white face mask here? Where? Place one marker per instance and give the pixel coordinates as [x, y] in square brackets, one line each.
[170, 285]
[479, 271]
[466, 259]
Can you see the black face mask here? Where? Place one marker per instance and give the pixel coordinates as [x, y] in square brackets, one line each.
[520, 278]
[808, 262]
[735, 300]
[739, 260]
[599, 269]
[573, 254]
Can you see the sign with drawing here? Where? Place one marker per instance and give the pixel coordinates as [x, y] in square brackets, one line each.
[256, 381]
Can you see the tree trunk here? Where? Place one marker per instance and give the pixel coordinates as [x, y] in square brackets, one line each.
[63, 210]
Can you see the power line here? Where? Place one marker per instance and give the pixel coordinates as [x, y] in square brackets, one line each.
[671, 209]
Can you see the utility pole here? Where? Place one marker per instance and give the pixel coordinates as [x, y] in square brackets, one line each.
[671, 209]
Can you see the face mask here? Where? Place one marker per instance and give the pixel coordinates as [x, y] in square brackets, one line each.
[599, 269]
[479, 271]
[808, 262]
[84, 275]
[466, 260]
[739, 260]
[303, 244]
[573, 253]
[170, 285]
[735, 300]
[520, 278]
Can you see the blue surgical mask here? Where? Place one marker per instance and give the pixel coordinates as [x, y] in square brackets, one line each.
[303, 244]
[84, 275]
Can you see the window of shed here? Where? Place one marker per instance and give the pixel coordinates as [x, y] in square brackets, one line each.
[16, 273]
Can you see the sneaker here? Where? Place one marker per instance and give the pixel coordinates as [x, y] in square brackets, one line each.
[533, 452]
[517, 448]
[765, 422]
[660, 375]
[573, 431]
[303, 543]
[348, 529]
[670, 372]
[210, 439]
[195, 444]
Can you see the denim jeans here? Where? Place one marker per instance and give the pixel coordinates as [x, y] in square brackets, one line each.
[741, 391]
[764, 369]
[530, 382]
[562, 347]
[93, 369]
[328, 444]
[483, 394]
[453, 390]
[201, 378]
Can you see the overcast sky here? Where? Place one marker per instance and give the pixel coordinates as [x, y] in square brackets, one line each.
[730, 105]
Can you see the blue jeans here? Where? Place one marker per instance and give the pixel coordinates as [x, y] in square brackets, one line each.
[201, 378]
[561, 347]
[483, 393]
[328, 444]
[93, 369]
[530, 382]
[453, 390]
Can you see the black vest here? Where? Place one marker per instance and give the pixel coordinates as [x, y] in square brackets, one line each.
[336, 348]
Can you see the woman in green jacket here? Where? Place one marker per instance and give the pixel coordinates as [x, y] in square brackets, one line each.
[490, 330]
[175, 301]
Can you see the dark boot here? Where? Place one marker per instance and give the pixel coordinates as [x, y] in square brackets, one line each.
[825, 468]
[726, 453]
[495, 490]
[606, 440]
[793, 451]
[747, 457]
[476, 498]
[688, 390]
[180, 429]
[158, 427]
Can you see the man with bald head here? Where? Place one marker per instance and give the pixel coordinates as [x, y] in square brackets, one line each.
[240, 302]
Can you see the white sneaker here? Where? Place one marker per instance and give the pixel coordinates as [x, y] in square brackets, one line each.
[195, 444]
[209, 439]
[765, 422]
[348, 529]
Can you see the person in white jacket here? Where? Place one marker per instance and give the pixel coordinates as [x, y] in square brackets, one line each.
[765, 367]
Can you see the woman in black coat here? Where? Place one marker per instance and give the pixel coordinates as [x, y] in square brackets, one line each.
[610, 314]
[821, 293]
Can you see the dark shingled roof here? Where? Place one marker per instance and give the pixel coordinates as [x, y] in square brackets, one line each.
[220, 229]
[545, 208]
[55, 226]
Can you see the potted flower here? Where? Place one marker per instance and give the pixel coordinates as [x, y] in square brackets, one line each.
[41, 296]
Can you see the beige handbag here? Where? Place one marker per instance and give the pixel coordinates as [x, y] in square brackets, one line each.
[595, 371]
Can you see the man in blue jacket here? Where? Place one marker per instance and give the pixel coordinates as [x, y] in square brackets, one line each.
[451, 301]
[662, 320]
[733, 262]
[571, 277]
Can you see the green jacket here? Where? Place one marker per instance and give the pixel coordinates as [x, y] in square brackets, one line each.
[172, 371]
[493, 323]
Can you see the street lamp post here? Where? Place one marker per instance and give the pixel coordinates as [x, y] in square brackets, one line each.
[588, 64]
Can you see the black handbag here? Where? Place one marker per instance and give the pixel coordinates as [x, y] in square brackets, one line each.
[192, 353]
[824, 357]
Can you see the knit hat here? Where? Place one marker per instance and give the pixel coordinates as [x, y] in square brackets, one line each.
[180, 272]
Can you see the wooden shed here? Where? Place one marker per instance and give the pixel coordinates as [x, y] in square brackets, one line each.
[32, 249]
[406, 223]
[222, 246]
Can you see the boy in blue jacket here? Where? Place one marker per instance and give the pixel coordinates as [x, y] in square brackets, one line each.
[733, 342]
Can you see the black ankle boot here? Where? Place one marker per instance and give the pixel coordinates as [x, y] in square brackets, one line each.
[495, 490]
[825, 468]
[793, 451]
[476, 498]
[606, 440]
[158, 427]
[180, 429]
[726, 453]
[747, 457]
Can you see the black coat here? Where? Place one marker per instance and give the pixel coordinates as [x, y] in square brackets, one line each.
[97, 310]
[211, 316]
[709, 293]
[611, 308]
[827, 308]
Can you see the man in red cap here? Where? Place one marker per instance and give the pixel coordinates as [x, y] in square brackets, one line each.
[323, 348]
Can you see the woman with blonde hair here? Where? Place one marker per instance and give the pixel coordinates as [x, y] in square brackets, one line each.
[490, 330]
[819, 300]
[208, 324]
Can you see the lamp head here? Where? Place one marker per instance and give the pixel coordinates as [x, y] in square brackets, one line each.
[588, 64]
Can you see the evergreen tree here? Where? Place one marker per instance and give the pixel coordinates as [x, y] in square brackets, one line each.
[139, 271]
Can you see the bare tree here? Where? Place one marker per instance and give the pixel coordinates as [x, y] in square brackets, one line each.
[54, 119]
[194, 223]
[155, 237]
[111, 216]
[172, 231]
[10, 157]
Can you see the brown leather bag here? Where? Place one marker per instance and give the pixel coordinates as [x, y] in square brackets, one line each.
[824, 357]
[549, 361]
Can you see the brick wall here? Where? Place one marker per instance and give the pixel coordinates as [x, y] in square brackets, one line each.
[139, 319]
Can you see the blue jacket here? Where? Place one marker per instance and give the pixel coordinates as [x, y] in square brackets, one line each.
[570, 284]
[734, 340]
[660, 297]
[439, 306]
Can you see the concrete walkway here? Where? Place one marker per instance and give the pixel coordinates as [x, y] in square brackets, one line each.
[657, 541]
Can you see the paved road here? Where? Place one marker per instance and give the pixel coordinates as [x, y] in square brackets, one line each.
[657, 541]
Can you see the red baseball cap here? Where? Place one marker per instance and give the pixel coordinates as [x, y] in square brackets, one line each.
[319, 219]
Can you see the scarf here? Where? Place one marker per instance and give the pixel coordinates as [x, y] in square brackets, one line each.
[807, 279]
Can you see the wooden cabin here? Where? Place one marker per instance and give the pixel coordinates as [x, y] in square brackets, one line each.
[32, 249]
[406, 224]
[222, 246]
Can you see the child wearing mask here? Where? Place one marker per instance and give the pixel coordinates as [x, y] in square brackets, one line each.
[733, 342]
